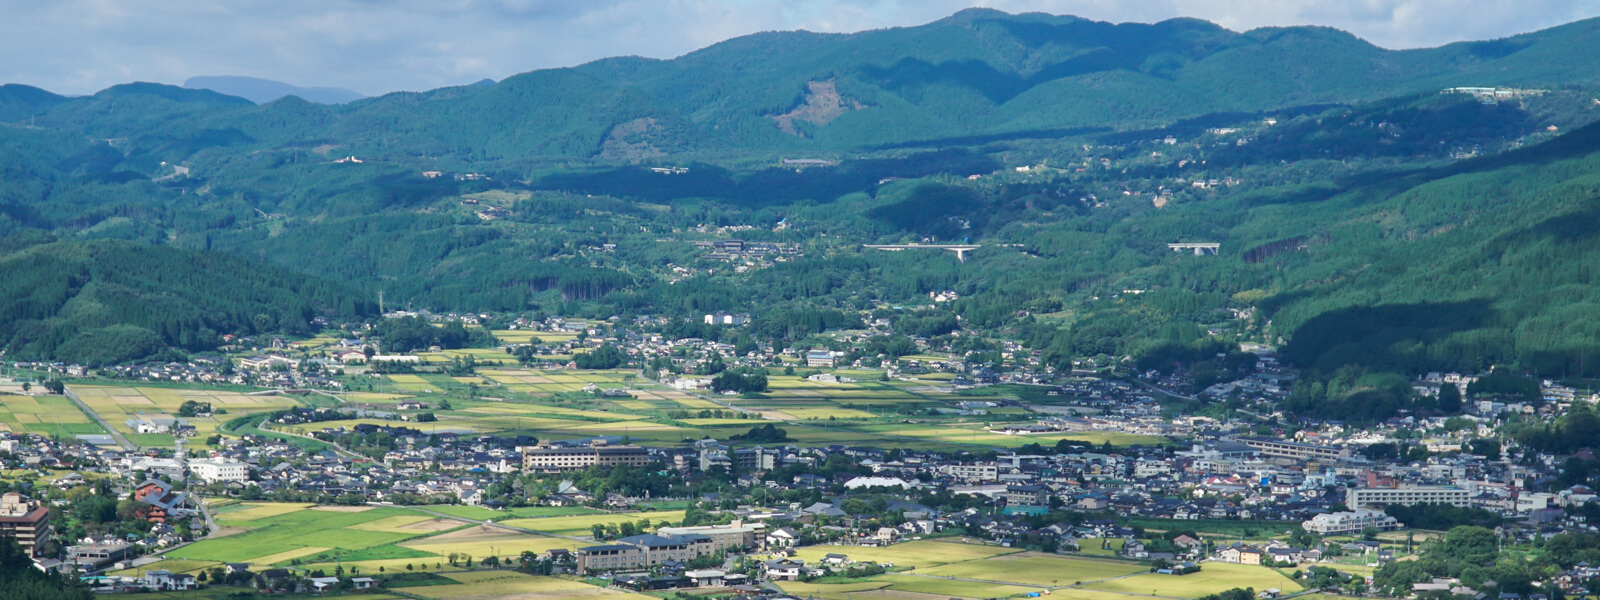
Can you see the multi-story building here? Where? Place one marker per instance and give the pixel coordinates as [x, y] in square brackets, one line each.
[1349, 522]
[1296, 450]
[213, 470]
[736, 535]
[819, 358]
[973, 471]
[26, 521]
[1379, 497]
[644, 551]
[575, 458]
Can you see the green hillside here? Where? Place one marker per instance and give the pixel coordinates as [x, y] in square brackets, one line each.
[104, 302]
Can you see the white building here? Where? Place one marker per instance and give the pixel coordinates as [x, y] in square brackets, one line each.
[1349, 522]
[1371, 497]
[213, 470]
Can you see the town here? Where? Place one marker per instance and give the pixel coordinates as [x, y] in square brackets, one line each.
[901, 455]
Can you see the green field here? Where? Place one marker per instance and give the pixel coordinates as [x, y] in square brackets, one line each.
[1034, 568]
[525, 512]
[47, 415]
[1212, 578]
[297, 533]
[920, 554]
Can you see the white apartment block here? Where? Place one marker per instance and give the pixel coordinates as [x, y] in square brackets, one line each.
[1349, 522]
[213, 470]
[1370, 497]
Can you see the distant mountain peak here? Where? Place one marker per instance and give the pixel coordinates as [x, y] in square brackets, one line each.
[262, 91]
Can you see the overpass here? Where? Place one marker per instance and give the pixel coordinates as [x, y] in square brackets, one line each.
[1198, 248]
[961, 250]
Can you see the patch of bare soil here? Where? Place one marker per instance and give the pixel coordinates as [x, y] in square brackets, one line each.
[823, 104]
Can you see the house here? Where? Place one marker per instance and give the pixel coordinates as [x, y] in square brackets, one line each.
[323, 584]
[783, 569]
[782, 537]
[888, 535]
[706, 577]
[364, 583]
[1135, 549]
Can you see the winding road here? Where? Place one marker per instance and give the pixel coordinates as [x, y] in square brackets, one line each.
[115, 435]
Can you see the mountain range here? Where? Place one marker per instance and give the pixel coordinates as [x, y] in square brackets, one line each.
[262, 91]
[1366, 219]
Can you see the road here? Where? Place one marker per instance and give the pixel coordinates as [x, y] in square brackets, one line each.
[337, 449]
[122, 441]
[1161, 391]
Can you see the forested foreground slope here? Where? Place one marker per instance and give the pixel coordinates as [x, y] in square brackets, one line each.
[105, 301]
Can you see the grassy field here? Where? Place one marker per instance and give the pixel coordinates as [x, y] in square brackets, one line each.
[274, 536]
[1034, 568]
[946, 587]
[1212, 578]
[507, 584]
[920, 554]
[526, 512]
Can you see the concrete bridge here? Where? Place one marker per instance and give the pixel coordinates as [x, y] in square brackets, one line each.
[961, 250]
[1198, 248]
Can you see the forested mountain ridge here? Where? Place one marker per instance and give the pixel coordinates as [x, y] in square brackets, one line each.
[1366, 220]
[979, 72]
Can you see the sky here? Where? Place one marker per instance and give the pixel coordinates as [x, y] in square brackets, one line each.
[379, 46]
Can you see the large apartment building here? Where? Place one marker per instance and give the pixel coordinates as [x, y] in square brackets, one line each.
[644, 551]
[26, 521]
[1296, 450]
[736, 535]
[575, 458]
[1378, 497]
[1349, 522]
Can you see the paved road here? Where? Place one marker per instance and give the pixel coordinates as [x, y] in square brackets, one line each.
[1161, 391]
[126, 445]
[500, 525]
[337, 449]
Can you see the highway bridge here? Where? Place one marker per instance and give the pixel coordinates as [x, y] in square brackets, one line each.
[961, 250]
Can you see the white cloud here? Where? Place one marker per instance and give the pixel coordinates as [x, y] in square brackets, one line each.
[374, 46]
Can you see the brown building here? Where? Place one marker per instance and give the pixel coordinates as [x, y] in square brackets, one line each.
[550, 458]
[26, 521]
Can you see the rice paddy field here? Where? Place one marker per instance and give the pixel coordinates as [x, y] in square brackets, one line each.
[117, 404]
[507, 584]
[1213, 577]
[272, 533]
[377, 539]
[48, 415]
[946, 569]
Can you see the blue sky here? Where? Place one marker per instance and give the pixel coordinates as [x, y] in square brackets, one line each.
[377, 46]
